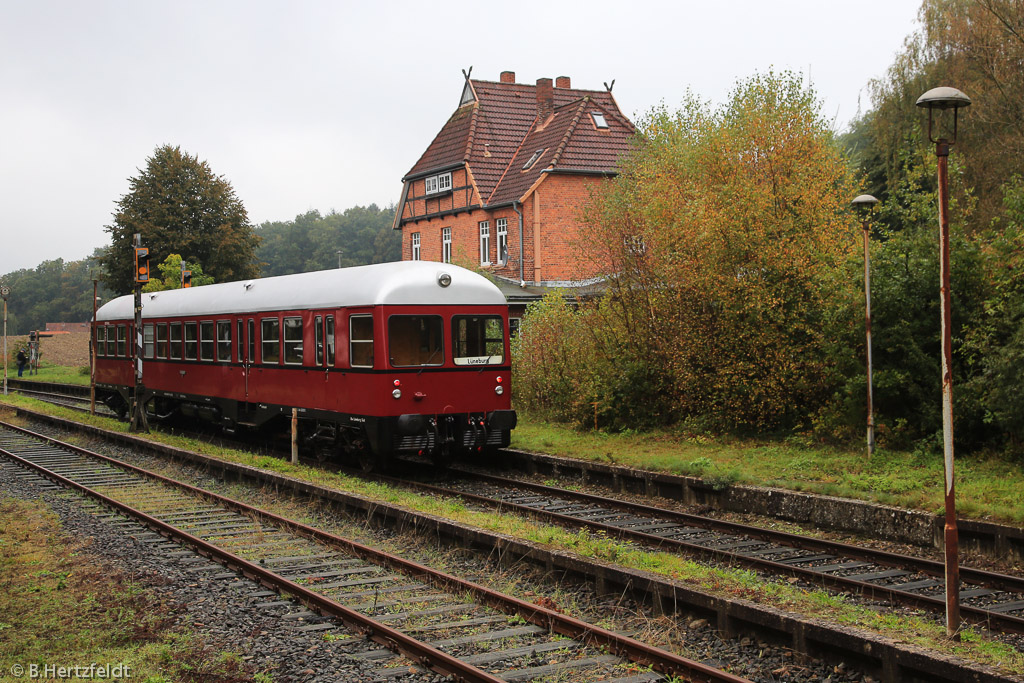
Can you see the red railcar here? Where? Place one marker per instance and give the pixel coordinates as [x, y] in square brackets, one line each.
[408, 357]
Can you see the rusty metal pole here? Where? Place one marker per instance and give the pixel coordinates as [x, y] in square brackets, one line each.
[951, 535]
[865, 203]
[92, 353]
[295, 435]
[941, 99]
[867, 328]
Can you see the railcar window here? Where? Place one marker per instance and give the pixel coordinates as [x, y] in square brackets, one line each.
[478, 340]
[101, 340]
[191, 345]
[122, 340]
[205, 340]
[270, 335]
[293, 341]
[161, 340]
[147, 340]
[175, 341]
[415, 340]
[239, 328]
[360, 337]
[330, 340]
[111, 341]
[252, 341]
[318, 340]
[224, 341]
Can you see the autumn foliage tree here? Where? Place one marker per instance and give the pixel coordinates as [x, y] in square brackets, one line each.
[723, 236]
[180, 206]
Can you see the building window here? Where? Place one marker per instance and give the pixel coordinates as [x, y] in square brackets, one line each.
[437, 183]
[599, 120]
[415, 246]
[485, 243]
[502, 225]
[446, 245]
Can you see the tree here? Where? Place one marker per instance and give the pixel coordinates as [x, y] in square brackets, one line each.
[179, 206]
[311, 241]
[170, 275]
[727, 229]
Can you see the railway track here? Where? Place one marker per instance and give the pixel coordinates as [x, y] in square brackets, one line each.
[74, 396]
[423, 619]
[992, 600]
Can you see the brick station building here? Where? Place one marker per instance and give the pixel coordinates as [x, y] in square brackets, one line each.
[502, 183]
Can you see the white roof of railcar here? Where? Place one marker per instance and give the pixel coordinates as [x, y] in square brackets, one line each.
[397, 283]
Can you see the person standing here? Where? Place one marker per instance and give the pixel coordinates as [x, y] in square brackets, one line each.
[22, 360]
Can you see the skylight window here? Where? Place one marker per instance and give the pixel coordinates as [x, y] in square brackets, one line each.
[536, 155]
[599, 120]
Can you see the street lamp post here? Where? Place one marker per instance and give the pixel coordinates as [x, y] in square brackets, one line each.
[941, 99]
[5, 292]
[864, 204]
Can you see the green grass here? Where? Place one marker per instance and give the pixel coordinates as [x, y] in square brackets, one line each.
[56, 373]
[62, 607]
[987, 487]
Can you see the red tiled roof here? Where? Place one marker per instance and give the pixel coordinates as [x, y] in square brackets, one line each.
[499, 132]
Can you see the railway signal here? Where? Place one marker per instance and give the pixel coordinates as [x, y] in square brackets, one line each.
[186, 278]
[142, 264]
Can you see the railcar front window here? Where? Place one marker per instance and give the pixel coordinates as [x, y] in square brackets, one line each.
[224, 341]
[361, 341]
[101, 340]
[270, 336]
[206, 340]
[293, 341]
[175, 341]
[161, 341]
[147, 340]
[122, 340]
[415, 340]
[191, 345]
[478, 340]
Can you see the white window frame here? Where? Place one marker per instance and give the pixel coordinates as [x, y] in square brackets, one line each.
[446, 245]
[485, 243]
[502, 226]
[437, 183]
[415, 239]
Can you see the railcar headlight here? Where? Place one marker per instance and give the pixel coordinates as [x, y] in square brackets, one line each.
[499, 390]
[444, 279]
[397, 393]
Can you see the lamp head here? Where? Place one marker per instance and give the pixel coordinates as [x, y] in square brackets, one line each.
[943, 98]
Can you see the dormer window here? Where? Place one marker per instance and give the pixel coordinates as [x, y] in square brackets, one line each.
[437, 183]
[599, 119]
[536, 155]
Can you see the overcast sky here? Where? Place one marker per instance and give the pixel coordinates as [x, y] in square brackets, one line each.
[325, 105]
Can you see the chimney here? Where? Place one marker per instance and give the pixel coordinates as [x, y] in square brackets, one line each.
[562, 82]
[545, 99]
[508, 76]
